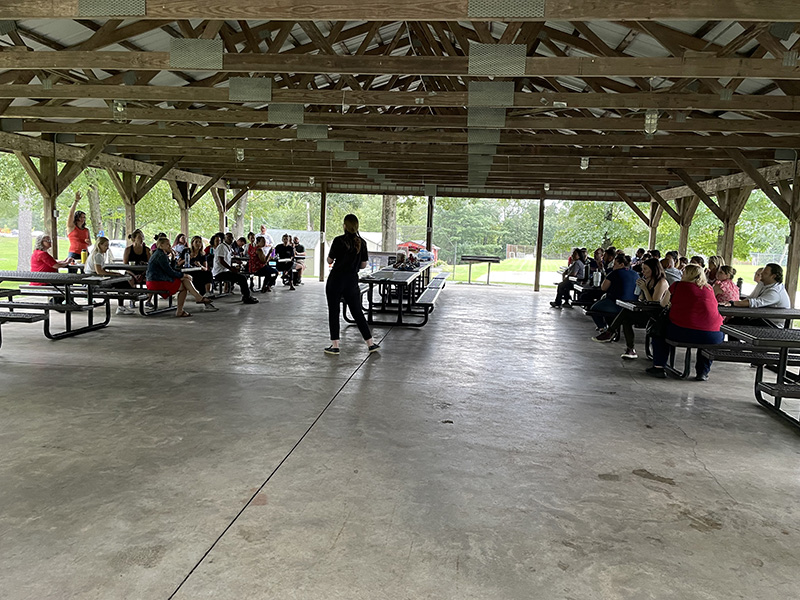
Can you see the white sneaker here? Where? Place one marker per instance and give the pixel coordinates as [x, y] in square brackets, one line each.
[210, 307]
[122, 310]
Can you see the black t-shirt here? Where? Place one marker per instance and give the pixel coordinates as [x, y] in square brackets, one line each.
[347, 260]
[198, 260]
[284, 251]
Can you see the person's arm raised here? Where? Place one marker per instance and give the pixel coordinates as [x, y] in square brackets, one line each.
[71, 215]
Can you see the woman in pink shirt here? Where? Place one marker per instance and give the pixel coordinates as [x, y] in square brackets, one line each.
[725, 289]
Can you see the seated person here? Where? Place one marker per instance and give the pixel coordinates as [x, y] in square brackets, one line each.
[179, 245]
[223, 269]
[693, 318]
[251, 243]
[41, 260]
[400, 260]
[576, 269]
[203, 280]
[237, 248]
[94, 266]
[300, 257]
[725, 289]
[653, 286]
[772, 294]
[698, 260]
[672, 274]
[165, 280]
[714, 263]
[682, 262]
[258, 265]
[286, 263]
[157, 237]
[136, 254]
[620, 284]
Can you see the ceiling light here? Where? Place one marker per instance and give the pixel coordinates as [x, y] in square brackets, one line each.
[240, 154]
[546, 187]
[651, 121]
[584, 163]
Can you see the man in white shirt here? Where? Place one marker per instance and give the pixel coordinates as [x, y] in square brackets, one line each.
[222, 270]
[772, 294]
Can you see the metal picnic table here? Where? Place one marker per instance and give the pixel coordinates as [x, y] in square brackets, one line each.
[480, 259]
[65, 284]
[408, 285]
[783, 340]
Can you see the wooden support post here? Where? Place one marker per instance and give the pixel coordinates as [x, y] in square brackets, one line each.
[429, 234]
[539, 244]
[181, 194]
[44, 178]
[323, 211]
[793, 259]
[732, 203]
[687, 206]
[220, 202]
[655, 218]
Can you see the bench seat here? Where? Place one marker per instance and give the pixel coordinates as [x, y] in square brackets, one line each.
[429, 296]
[46, 306]
[21, 317]
[782, 390]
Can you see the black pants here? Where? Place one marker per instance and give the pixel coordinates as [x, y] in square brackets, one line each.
[563, 290]
[235, 278]
[200, 279]
[270, 275]
[345, 286]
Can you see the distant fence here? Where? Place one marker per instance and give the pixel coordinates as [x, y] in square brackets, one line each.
[762, 258]
[515, 251]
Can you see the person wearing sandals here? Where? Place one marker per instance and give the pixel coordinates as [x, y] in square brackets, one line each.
[652, 286]
[166, 281]
[693, 318]
[348, 255]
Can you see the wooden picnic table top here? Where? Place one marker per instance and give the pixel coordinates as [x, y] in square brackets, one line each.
[764, 336]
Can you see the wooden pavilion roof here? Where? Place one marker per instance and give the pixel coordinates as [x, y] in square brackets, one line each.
[522, 96]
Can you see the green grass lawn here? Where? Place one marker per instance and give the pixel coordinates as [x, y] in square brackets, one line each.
[508, 265]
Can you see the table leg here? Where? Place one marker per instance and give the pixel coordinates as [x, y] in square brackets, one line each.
[783, 360]
[369, 302]
[488, 272]
[400, 290]
[469, 277]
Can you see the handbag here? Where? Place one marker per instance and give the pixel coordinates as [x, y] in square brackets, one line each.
[657, 325]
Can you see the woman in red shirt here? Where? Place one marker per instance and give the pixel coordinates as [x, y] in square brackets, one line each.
[694, 318]
[41, 260]
[78, 234]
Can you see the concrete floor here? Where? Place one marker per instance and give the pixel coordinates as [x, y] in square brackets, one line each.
[495, 454]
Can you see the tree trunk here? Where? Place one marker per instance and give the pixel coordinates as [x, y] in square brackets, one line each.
[94, 210]
[389, 223]
[240, 208]
[24, 221]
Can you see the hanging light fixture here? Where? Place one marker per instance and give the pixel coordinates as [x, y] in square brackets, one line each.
[311, 181]
[584, 163]
[240, 154]
[651, 121]
[119, 110]
[546, 187]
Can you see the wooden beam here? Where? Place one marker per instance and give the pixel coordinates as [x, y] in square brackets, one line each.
[639, 213]
[35, 175]
[150, 182]
[35, 147]
[662, 101]
[406, 121]
[700, 193]
[314, 64]
[191, 201]
[662, 203]
[74, 168]
[762, 183]
[238, 195]
[444, 137]
[712, 186]
[370, 10]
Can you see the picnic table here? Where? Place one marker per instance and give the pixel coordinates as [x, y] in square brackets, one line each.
[777, 314]
[784, 387]
[64, 285]
[407, 286]
[639, 306]
[148, 306]
[471, 259]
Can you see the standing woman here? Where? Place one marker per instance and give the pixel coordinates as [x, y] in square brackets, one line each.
[348, 255]
[78, 234]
